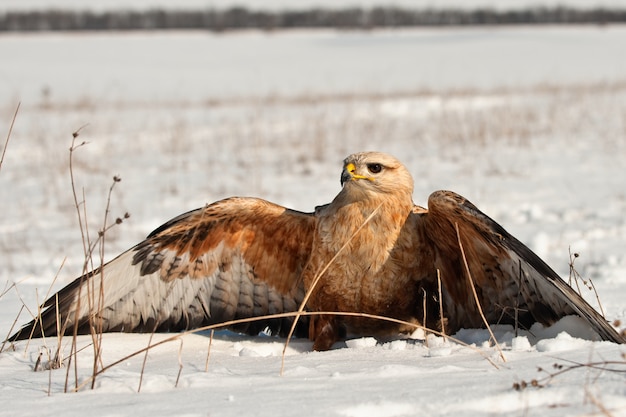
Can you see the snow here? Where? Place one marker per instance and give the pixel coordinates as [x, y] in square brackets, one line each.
[199, 66]
[536, 141]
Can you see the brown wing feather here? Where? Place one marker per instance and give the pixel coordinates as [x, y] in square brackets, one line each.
[512, 282]
[236, 258]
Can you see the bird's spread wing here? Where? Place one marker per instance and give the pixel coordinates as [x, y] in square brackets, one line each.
[237, 258]
[512, 283]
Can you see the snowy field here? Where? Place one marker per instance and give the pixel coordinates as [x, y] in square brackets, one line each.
[529, 124]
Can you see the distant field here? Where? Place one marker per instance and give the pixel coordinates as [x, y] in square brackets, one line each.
[195, 67]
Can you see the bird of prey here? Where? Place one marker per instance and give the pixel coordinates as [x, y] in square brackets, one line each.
[371, 250]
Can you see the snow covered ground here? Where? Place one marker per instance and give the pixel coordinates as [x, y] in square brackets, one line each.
[199, 66]
[529, 124]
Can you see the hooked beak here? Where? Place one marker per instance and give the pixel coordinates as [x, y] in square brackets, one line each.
[349, 173]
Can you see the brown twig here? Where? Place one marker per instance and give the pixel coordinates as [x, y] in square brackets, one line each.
[77, 205]
[605, 411]
[50, 381]
[560, 369]
[96, 332]
[575, 275]
[208, 354]
[6, 142]
[94, 298]
[73, 349]
[441, 317]
[471, 283]
[180, 362]
[19, 313]
[424, 310]
[7, 288]
[145, 359]
[595, 292]
[517, 299]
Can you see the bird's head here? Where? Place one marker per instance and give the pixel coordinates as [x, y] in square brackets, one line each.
[375, 172]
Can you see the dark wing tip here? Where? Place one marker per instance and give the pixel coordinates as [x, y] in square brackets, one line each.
[552, 298]
[46, 324]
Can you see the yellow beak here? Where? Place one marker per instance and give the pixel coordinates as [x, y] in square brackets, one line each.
[351, 169]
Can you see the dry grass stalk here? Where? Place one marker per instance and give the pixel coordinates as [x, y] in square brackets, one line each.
[442, 320]
[560, 369]
[425, 296]
[143, 364]
[6, 142]
[7, 288]
[471, 282]
[95, 301]
[37, 317]
[595, 292]
[573, 273]
[59, 351]
[24, 306]
[96, 332]
[10, 332]
[77, 205]
[180, 363]
[575, 276]
[38, 361]
[517, 299]
[605, 411]
[40, 367]
[49, 393]
[15, 287]
[208, 354]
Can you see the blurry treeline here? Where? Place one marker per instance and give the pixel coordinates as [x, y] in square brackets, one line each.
[238, 18]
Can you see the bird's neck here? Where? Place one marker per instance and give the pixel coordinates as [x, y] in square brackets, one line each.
[372, 220]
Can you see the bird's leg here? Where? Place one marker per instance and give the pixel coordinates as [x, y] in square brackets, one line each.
[324, 331]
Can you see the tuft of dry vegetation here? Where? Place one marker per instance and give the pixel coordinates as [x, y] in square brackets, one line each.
[594, 369]
[50, 359]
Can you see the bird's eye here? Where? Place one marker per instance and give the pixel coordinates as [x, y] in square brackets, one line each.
[374, 168]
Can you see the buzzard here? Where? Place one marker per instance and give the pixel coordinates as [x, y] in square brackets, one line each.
[371, 250]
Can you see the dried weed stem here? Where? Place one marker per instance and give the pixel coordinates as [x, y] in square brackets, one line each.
[6, 142]
[473, 287]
